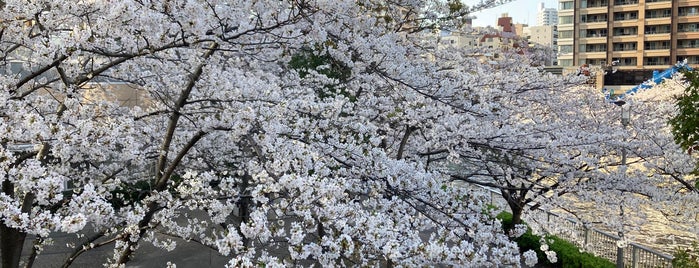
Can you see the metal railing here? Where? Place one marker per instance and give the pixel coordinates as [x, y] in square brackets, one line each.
[595, 241]
[603, 244]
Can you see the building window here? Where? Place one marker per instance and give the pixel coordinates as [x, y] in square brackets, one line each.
[688, 11]
[566, 62]
[658, 29]
[657, 45]
[631, 15]
[658, 13]
[565, 20]
[692, 43]
[565, 34]
[625, 2]
[628, 46]
[592, 61]
[593, 48]
[654, 1]
[656, 60]
[565, 49]
[688, 27]
[625, 31]
[566, 5]
[626, 61]
[593, 3]
[593, 18]
[593, 33]
[690, 59]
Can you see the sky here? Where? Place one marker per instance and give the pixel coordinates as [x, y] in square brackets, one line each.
[521, 11]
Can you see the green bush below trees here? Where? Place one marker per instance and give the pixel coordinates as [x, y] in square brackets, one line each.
[567, 253]
[686, 257]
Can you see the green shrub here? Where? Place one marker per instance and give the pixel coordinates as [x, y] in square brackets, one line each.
[686, 258]
[569, 255]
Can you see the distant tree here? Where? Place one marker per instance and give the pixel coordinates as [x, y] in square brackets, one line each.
[685, 124]
[559, 147]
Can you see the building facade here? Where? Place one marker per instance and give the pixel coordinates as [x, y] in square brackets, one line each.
[545, 36]
[636, 36]
[546, 16]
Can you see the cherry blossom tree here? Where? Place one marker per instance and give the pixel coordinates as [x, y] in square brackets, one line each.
[279, 133]
[233, 148]
[557, 147]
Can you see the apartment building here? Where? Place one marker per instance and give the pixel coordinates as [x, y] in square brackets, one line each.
[637, 36]
[546, 16]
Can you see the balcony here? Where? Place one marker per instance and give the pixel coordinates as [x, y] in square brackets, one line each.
[688, 11]
[688, 35]
[593, 10]
[625, 2]
[625, 47]
[658, 21]
[624, 39]
[656, 63]
[657, 37]
[591, 18]
[625, 31]
[625, 23]
[627, 8]
[594, 4]
[690, 19]
[659, 5]
[593, 40]
[657, 53]
[688, 51]
[628, 67]
[594, 25]
[657, 29]
[624, 54]
[593, 55]
[694, 60]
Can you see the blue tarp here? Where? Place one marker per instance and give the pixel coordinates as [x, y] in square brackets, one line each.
[658, 77]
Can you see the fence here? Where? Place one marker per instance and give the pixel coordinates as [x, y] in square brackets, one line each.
[597, 242]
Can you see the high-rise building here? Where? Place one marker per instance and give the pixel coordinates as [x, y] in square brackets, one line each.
[637, 36]
[546, 16]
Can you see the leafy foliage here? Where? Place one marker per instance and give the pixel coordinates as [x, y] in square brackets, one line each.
[686, 257]
[569, 255]
[685, 124]
[307, 60]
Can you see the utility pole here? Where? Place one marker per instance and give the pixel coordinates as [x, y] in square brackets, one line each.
[625, 119]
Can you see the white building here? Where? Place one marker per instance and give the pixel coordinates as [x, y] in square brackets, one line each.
[546, 36]
[546, 16]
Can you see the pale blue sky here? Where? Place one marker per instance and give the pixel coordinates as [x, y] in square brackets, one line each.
[521, 11]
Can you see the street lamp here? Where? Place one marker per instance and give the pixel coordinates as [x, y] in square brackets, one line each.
[625, 119]
[625, 113]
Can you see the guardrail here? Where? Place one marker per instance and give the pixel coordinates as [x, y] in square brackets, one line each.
[597, 242]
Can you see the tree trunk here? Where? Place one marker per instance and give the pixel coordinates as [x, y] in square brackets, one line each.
[517, 210]
[12, 239]
[516, 205]
[12, 242]
[244, 206]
